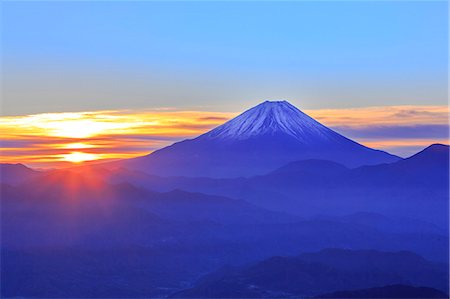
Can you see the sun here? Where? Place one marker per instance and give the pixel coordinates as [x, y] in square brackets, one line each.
[78, 128]
[78, 157]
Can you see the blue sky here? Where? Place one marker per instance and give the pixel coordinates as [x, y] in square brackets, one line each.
[224, 56]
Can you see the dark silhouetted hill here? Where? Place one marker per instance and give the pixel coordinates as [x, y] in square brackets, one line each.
[316, 273]
[392, 291]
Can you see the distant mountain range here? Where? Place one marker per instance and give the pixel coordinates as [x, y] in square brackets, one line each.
[259, 140]
[38, 211]
[404, 188]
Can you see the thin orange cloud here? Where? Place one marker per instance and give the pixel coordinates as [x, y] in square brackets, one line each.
[382, 116]
[59, 139]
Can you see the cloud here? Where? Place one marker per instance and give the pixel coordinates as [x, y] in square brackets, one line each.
[383, 116]
[401, 130]
[396, 132]
[214, 118]
[412, 113]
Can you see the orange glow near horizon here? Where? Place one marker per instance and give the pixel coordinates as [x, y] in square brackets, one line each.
[61, 139]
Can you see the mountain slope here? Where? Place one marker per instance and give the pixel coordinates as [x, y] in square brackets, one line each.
[260, 139]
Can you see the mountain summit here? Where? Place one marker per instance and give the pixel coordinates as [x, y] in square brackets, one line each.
[271, 118]
[257, 141]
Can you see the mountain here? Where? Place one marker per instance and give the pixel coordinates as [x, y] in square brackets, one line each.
[259, 140]
[391, 291]
[428, 168]
[311, 274]
[13, 174]
[432, 156]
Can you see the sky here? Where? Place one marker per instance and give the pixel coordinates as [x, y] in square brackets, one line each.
[144, 59]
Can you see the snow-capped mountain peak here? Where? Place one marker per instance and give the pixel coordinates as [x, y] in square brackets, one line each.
[255, 142]
[271, 118]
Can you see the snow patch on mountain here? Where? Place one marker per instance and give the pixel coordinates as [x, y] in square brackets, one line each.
[269, 118]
